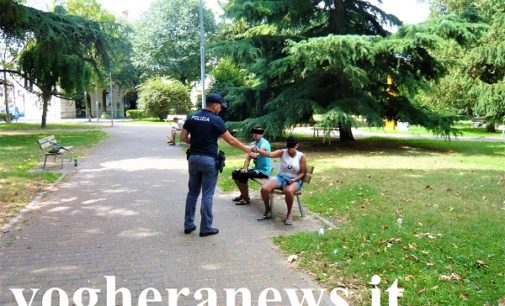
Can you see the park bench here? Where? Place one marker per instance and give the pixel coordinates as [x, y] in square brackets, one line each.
[50, 147]
[316, 130]
[275, 168]
[328, 133]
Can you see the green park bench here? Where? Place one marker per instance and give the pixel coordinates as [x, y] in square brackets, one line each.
[50, 147]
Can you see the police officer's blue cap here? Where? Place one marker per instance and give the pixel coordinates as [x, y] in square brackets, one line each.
[215, 98]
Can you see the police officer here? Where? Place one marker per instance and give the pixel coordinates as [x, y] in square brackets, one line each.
[201, 131]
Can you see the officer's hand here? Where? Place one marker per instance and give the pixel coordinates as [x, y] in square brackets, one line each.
[243, 170]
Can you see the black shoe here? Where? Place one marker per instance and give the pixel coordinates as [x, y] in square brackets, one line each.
[189, 230]
[213, 231]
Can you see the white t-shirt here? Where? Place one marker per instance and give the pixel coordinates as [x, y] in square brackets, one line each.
[290, 166]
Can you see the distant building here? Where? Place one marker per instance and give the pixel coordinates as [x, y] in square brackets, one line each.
[29, 105]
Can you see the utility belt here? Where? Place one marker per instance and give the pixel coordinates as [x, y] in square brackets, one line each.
[220, 159]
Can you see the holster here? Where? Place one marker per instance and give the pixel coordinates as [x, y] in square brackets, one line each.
[221, 157]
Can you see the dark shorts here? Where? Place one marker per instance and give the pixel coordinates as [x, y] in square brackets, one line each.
[244, 177]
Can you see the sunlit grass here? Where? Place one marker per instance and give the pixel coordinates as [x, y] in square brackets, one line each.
[464, 128]
[428, 213]
[51, 126]
[19, 154]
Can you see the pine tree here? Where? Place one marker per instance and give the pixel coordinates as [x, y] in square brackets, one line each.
[329, 57]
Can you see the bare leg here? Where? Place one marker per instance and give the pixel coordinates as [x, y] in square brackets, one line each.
[243, 188]
[265, 193]
[173, 136]
[289, 197]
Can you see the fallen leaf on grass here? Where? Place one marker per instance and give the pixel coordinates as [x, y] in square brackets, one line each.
[464, 296]
[429, 235]
[481, 264]
[452, 277]
[412, 257]
[501, 302]
[428, 187]
[394, 240]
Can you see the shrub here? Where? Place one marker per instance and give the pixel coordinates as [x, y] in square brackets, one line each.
[136, 114]
[158, 96]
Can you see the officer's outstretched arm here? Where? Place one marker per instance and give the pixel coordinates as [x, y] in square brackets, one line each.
[234, 142]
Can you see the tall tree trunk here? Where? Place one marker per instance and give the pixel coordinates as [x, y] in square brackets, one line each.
[337, 17]
[45, 104]
[490, 127]
[345, 131]
[87, 104]
[6, 96]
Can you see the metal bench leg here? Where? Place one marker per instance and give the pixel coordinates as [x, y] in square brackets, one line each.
[45, 160]
[272, 205]
[300, 205]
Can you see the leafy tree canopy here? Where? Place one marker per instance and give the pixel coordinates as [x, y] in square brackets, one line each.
[167, 41]
[157, 97]
[60, 49]
[475, 83]
[121, 50]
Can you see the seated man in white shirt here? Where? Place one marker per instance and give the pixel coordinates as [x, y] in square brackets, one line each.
[175, 130]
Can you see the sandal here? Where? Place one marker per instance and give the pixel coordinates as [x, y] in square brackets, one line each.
[237, 199]
[263, 217]
[244, 202]
[288, 222]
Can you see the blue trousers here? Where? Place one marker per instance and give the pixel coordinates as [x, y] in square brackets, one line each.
[202, 176]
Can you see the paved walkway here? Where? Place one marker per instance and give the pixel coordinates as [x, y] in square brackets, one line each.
[121, 214]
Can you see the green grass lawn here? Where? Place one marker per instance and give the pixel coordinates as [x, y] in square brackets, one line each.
[464, 128]
[50, 126]
[19, 154]
[428, 213]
